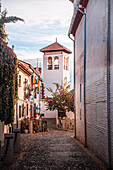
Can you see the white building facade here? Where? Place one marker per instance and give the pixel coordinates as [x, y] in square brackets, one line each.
[28, 104]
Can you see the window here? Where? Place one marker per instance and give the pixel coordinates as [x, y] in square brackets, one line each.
[19, 80]
[23, 110]
[35, 92]
[49, 63]
[80, 92]
[30, 111]
[56, 63]
[27, 109]
[20, 111]
[34, 109]
[32, 80]
[25, 85]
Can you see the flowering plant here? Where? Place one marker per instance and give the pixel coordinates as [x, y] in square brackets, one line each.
[35, 126]
[25, 123]
[8, 82]
[61, 99]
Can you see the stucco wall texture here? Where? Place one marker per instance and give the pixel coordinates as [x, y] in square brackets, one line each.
[111, 76]
[96, 78]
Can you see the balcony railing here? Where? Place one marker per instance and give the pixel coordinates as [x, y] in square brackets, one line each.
[49, 67]
[56, 67]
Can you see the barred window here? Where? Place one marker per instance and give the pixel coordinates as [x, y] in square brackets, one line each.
[50, 63]
[56, 63]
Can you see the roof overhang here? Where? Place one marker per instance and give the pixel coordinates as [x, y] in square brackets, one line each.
[77, 16]
[63, 50]
[55, 47]
[24, 69]
[71, 1]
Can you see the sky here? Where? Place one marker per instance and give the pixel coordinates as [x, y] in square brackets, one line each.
[44, 21]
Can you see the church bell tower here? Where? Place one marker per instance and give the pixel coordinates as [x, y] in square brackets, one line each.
[55, 66]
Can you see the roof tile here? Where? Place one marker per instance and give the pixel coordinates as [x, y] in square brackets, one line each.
[55, 47]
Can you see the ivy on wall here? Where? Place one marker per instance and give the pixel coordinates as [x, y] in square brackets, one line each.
[8, 82]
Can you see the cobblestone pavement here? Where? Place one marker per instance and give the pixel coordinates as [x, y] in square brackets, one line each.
[54, 150]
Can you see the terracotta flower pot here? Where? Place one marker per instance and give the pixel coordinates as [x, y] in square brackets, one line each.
[26, 131]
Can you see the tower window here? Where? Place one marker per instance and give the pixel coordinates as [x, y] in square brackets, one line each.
[49, 63]
[56, 63]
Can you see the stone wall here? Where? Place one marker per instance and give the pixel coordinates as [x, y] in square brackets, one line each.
[2, 133]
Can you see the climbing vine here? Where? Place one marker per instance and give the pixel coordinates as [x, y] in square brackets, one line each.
[8, 82]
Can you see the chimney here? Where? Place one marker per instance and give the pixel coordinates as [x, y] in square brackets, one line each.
[13, 47]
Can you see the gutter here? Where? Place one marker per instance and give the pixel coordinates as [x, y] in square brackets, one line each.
[108, 83]
[77, 16]
[74, 85]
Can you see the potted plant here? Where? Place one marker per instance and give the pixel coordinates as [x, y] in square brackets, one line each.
[25, 125]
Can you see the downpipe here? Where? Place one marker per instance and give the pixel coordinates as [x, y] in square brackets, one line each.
[74, 87]
[108, 83]
[85, 125]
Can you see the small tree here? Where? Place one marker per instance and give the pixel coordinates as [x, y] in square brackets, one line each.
[61, 99]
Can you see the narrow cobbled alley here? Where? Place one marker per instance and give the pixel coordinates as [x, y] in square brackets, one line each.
[53, 150]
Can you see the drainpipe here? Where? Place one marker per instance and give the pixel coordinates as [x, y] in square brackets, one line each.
[85, 125]
[108, 82]
[74, 87]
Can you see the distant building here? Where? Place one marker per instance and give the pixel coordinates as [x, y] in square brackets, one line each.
[94, 75]
[29, 93]
[55, 68]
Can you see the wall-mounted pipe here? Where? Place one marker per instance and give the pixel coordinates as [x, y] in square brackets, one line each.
[85, 124]
[108, 82]
[74, 86]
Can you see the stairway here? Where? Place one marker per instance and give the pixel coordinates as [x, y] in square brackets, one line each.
[51, 123]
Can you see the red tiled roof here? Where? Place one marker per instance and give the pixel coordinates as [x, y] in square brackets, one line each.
[71, 1]
[55, 47]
